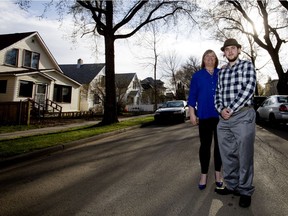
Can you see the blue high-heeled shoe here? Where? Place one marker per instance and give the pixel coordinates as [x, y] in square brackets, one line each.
[201, 187]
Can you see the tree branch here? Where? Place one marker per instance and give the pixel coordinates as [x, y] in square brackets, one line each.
[284, 3]
[130, 14]
[148, 20]
[100, 26]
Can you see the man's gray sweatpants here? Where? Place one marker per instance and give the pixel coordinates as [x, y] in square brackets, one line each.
[236, 138]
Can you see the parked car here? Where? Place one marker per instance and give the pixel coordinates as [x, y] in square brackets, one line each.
[274, 109]
[258, 100]
[170, 111]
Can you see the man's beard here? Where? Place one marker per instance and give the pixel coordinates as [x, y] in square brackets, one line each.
[232, 60]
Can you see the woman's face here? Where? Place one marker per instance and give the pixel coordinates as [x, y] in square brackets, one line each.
[210, 59]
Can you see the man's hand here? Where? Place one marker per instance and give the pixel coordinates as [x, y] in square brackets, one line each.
[226, 113]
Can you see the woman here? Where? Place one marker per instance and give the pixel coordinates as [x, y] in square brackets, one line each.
[201, 97]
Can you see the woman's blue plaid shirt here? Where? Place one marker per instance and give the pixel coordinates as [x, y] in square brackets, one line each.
[236, 86]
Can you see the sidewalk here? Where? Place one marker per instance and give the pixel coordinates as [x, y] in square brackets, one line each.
[45, 130]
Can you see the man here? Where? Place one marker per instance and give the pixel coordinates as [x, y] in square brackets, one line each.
[236, 127]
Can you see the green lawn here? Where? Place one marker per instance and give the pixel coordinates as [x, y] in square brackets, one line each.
[18, 146]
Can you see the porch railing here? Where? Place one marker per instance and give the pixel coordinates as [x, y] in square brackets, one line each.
[54, 106]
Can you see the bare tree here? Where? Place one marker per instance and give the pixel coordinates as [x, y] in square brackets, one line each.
[185, 73]
[170, 64]
[118, 20]
[187, 70]
[150, 61]
[235, 17]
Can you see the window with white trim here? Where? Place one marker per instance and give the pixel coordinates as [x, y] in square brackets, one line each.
[26, 88]
[11, 57]
[31, 59]
[62, 93]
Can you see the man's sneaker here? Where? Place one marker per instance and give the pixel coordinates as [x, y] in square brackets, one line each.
[245, 201]
[226, 191]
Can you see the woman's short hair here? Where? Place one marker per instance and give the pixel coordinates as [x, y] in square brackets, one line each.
[206, 53]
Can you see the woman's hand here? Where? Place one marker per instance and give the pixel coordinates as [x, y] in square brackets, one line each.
[193, 119]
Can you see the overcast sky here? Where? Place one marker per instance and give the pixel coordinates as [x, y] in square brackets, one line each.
[127, 54]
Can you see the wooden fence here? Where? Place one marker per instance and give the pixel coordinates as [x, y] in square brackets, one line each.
[19, 113]
[14, 113]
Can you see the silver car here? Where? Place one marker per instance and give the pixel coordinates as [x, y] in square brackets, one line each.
[274, 109]
[172, 111]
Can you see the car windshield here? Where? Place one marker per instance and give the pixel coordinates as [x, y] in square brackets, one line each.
[282, 99]
[173, 104]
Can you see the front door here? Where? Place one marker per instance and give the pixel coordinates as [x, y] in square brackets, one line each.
[40, 96]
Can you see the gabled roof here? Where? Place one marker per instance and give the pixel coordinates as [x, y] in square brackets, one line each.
[150, 80]
[9, 39]
[149, 83]
[83, 74]
[124, 79]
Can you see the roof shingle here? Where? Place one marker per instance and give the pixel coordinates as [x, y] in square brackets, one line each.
[9, 39]
[83, 74]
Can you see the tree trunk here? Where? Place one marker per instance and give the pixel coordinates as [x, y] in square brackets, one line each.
[282, 85]
[110, 106]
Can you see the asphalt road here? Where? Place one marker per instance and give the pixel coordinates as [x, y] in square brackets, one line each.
[151, 171]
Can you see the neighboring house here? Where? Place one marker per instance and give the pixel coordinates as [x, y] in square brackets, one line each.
[92, 79]
[28, 70]
[271, 87]
[169, 96]
[128, 89]
[148, 94]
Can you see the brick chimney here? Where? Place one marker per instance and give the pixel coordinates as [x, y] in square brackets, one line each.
[79, 62]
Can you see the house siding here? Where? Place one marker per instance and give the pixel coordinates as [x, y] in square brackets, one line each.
[8, 96]
[45, 61]
[61, 80]
[91, 91]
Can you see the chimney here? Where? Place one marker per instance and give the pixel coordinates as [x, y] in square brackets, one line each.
[79, 62]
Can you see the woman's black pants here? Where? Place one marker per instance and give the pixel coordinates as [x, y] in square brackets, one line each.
[208, 131]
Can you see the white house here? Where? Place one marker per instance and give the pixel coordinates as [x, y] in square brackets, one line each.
[128, 88]
[92, 79]
[28, 70]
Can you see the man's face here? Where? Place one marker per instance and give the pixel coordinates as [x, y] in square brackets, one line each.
[231, 53]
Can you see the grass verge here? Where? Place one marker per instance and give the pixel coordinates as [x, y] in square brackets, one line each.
[13, 147]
